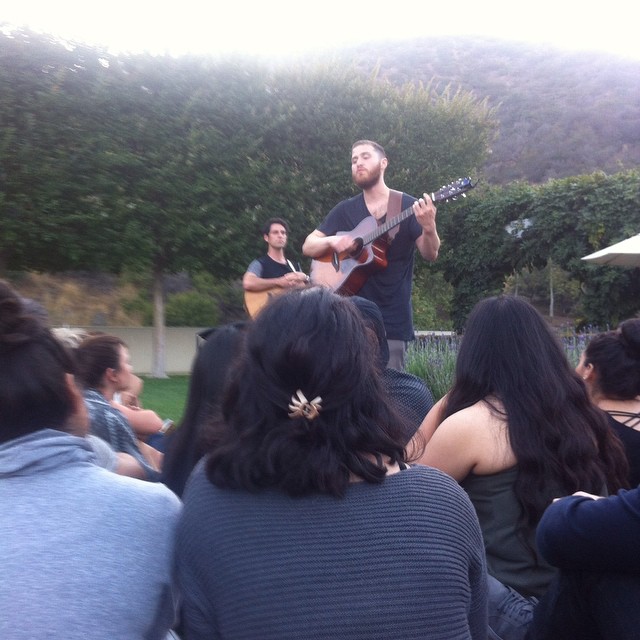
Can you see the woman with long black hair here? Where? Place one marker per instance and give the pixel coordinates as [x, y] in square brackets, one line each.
[517, 429]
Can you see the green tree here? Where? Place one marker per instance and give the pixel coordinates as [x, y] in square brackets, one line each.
[577, 216]
[46, 157]
[483, 243]
[522, 227]
[161, 165]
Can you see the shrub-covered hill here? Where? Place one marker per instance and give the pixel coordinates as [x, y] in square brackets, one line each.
[560, 113]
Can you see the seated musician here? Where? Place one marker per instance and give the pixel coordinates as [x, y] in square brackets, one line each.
[273, 270]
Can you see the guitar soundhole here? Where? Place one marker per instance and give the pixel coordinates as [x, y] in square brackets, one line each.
[357, 248]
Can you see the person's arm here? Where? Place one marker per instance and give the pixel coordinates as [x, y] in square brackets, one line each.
[144, 422]
[428, 243]
[118, 462]
[580, 532]
[291, 280]
[153, 457]
[431, 421]
[127, 465]
[317, 244]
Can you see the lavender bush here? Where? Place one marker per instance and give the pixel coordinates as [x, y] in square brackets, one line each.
[433, 358]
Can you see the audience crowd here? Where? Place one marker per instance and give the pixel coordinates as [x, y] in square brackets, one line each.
[310, 491]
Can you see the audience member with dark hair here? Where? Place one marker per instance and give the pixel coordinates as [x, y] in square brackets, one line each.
[146, 423]
[106, 456]
[410, 393]
[104, 368]
[610, 367]
[517, 429]
[594, 542]
[209, 372]
[84, 553]
[304, 519]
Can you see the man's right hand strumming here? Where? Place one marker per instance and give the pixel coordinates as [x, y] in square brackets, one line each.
[293, 280]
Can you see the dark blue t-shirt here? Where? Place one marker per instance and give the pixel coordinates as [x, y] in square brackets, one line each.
[389, 288]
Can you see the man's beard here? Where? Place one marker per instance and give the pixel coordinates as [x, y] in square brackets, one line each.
[368, 180]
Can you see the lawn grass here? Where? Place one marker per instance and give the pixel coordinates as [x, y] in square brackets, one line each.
[166, 396]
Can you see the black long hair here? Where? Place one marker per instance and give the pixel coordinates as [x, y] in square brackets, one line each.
[209, 374]
[316, 342]
[560, 439]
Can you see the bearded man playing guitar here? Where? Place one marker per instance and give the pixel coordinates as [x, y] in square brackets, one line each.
[390, 284]
[272, 273]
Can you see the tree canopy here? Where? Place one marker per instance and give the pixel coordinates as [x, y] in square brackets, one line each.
[163, 164]
[523, 227]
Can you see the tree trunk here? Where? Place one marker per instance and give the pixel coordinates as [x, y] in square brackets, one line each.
[159, 368]
[551, 293]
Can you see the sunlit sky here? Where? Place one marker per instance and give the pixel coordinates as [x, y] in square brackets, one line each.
[296, 27]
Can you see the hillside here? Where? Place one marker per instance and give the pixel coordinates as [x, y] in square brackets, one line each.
[560, 114]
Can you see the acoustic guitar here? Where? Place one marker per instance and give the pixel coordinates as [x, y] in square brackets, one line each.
[255, 300]
[345, 273]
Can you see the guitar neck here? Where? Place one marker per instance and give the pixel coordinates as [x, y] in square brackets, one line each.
[386, 226]
[450, 192]
[394, 222]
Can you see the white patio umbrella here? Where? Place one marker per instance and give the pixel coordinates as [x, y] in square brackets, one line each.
[621, 254]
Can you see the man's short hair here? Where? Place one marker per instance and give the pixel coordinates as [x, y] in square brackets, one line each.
[378, 147]
[266, 228]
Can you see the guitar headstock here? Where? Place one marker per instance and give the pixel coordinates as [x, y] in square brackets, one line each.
[453, 190]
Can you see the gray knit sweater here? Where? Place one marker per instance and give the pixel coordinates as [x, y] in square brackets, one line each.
[403, 559]
[84, 553]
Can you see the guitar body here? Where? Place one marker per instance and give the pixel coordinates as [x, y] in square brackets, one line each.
[346, 273]
[255, 300]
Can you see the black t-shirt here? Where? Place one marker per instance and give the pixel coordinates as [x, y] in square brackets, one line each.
[389, 288]
[266, 267]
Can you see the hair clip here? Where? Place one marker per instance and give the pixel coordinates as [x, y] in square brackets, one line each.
[300, 407]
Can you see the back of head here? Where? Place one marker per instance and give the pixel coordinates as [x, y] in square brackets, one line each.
[615, 356]
[309, 343]
[33, 367]
[372, 317]
[210, 370]
[209, 375]
[509, 350]
[94, 355]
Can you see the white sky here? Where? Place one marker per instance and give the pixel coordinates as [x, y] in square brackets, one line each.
[292, 27]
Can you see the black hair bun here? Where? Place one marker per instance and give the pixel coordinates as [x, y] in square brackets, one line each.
[16, 326]
[630, 337]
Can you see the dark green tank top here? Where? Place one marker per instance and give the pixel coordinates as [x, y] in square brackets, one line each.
[509, 558]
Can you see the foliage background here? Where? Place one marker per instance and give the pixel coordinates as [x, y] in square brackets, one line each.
[160, 171]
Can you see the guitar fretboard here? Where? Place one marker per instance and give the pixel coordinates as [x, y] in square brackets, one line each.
[450, 192]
